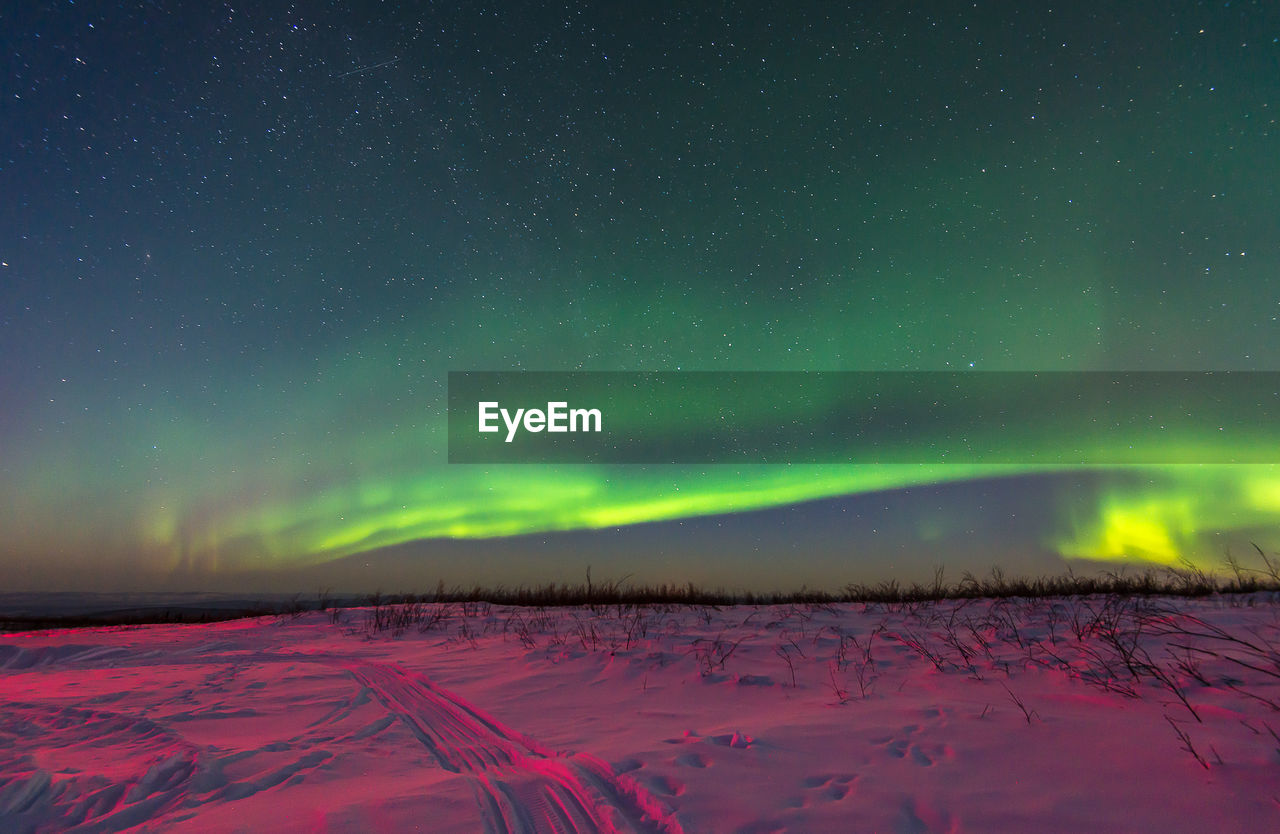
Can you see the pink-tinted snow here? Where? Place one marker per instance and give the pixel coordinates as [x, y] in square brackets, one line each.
[1053, 715]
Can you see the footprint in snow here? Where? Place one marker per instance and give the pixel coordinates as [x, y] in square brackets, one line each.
[693, 760]
[833, 787]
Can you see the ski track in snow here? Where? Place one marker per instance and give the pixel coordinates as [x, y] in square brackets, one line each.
[521, 787]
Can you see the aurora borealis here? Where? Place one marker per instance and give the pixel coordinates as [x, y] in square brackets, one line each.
[241, 249]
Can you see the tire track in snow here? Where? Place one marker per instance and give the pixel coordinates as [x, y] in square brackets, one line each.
[521, 787]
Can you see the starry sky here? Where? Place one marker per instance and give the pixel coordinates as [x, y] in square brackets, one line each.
[241, 247]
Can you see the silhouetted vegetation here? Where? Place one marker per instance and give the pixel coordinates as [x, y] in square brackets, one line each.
[394, 612]
[1185, 581]
[150, 616]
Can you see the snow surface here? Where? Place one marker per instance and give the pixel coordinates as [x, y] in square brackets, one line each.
[1051, 715]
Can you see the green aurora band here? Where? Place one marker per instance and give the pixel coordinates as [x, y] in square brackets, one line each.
[352, 459]
[306, 461]
[293, 498]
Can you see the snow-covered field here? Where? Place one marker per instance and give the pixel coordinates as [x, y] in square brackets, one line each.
[1091, 714]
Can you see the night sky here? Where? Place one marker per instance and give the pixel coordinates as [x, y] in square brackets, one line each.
[242, 247]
